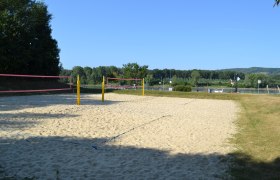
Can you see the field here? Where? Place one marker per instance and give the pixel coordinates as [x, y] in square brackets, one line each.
[126, 137]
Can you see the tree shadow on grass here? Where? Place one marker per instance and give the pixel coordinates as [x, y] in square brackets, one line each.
[76, 158]
[244, 167]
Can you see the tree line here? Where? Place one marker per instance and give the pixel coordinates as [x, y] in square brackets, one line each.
[155, 77]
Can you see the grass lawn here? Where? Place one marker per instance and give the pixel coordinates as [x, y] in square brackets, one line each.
[258, 137]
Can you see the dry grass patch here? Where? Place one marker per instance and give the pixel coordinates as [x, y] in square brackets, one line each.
[258, 139]
[260, 124]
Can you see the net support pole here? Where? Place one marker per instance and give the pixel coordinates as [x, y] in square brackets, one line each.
[78, 90]
[103, 88]
[143, 87]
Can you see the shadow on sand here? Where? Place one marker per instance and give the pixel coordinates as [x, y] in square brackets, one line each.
[75, 158]
[70, 158]
[26, 120]
[22, 102]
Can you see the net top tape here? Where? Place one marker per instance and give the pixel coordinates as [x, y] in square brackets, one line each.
[32, 76]
[124, 79]
[30, 91]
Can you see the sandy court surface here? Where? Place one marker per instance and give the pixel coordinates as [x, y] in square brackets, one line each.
[126, 137]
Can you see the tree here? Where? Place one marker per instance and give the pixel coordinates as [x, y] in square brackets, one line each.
[78, 70]
[88, 72]
[195, 77]
[133, 70]
[277, 2]
[65, 72]
[251, 80]
[26, 44]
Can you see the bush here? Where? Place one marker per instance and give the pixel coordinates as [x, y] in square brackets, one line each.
[179, 88]
[188, 89]
[174, 84]
[183, 88]
[177, 83]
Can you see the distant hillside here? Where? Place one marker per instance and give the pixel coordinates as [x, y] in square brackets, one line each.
[269, 71]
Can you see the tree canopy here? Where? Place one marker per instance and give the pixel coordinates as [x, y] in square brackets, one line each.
[26, 44]
[133, 70]
[277, 2]
[195, 77]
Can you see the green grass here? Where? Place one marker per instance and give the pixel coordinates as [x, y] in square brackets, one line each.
[258, 137]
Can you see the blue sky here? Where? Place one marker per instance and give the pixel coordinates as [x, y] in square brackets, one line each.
[179, 34]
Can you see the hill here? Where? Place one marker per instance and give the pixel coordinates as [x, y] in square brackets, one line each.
[269, 71]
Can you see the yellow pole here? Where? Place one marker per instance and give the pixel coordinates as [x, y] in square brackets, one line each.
[103, 88]
[143, 87]
[78, 90]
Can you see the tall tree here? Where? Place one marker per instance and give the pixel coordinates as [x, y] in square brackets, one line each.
[277, 2]
[195, 77]
[78, 70]
[88, 72]
[26, 44]
[133, 70]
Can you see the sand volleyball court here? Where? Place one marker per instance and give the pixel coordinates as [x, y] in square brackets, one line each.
[126, 137]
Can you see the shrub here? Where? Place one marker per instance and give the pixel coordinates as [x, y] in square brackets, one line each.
[174, 84]
[187, 88]
[179, 88]
[183, 88]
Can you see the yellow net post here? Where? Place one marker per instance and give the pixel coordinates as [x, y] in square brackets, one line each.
[143, 87]
[78, 90]
[103, 88]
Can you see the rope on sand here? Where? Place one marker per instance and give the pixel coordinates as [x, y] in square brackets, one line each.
[105, 141]
[27, 139]
[128, 131]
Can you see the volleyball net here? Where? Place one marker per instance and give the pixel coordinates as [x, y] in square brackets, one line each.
[125, 83]
[18, 83]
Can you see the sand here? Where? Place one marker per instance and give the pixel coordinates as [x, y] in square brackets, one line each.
[126, 137]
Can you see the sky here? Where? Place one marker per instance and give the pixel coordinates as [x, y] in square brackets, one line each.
[177, 34]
